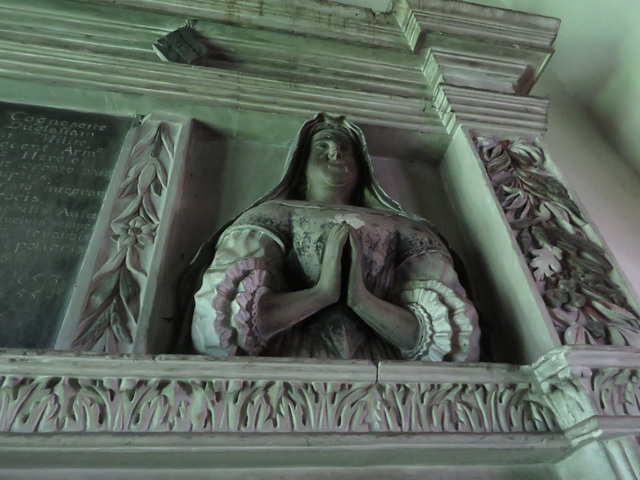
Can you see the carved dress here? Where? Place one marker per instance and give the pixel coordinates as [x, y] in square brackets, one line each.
[278, 246]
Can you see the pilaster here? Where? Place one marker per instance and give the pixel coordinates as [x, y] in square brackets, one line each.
[117, 288]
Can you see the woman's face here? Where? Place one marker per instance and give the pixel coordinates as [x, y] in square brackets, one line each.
[332, 168]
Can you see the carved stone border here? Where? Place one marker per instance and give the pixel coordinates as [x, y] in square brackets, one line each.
[578, 391]
[39, 394]
[592, 389]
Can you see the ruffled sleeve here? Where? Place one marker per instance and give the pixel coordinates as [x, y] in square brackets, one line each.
[427, 286]
[248, 264]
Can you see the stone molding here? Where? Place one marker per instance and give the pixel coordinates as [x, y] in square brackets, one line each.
[270, 455]
[485, 24]
[276, 70]
[477, 46]
[484, 72]
[490, 112]
[282, 67]
[572, 390]
[40, 394]
[592, 390]
[314, 19]
[211, 87]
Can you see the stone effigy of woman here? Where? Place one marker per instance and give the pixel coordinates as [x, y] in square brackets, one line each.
[327, 265]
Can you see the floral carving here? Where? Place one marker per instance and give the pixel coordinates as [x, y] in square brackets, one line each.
[111, 314]
[72, 404]
[570, 268]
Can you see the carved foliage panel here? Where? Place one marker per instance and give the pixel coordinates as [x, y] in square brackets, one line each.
[111, 313]
[70, 404]
[465, 408]
[567, 261]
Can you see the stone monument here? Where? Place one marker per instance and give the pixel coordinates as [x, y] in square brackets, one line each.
[327, 265]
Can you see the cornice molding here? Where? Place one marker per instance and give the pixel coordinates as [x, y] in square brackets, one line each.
[478, 47]
[488, 112]
[289, 67]
[314, 19]
[285, 73]
[206, 86]
[490, 73]
[485, 24]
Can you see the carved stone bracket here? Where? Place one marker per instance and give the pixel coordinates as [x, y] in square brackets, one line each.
[572, 271]
[105, 314]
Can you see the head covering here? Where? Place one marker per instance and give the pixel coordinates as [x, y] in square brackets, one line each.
[293, 183]
[369, 194]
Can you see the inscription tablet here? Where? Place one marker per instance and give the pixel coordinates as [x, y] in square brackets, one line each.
[55, 166]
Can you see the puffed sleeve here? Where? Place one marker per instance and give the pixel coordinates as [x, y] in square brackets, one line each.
[248, 263]
[428, 286]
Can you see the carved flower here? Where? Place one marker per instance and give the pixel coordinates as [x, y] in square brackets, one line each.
[137, 231]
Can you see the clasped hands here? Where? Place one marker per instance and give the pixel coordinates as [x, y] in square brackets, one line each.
[331, 278]
[279, 311]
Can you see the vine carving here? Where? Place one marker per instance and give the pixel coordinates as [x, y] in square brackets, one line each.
[109, 319]
[570, 268]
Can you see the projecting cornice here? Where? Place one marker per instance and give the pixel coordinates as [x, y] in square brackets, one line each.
[475, 46]
[490, 112]
[284, 57]
[468, 20]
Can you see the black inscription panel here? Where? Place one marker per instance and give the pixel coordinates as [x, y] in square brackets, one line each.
[55, 166]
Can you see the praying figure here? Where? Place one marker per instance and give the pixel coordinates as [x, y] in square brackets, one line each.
[327, 265]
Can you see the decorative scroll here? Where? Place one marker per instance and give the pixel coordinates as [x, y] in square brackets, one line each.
[571, 270]
[111, 314]
[69, 404]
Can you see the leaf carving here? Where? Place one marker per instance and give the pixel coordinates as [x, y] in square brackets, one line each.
[572, 270]
[111, 314]
[545, 262]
